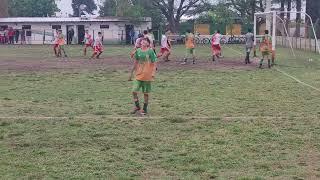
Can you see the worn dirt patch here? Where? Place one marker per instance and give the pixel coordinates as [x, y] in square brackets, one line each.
[118, 63]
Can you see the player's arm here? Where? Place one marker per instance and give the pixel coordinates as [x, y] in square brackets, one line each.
[135, 63]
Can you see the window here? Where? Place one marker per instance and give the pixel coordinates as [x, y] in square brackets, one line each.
[56, 26]
[105, 26]
[26, 26]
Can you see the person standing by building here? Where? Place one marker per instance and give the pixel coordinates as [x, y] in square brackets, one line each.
[16, 35]
[70, 35]
[132, 34]
[23, 36]
[11, 35]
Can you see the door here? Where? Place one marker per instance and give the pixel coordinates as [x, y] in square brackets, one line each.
[81, 33]
[129, 29]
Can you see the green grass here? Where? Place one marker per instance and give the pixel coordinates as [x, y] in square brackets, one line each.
[218, 124]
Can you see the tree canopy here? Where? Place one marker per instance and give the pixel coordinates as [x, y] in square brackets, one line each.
[32, 8]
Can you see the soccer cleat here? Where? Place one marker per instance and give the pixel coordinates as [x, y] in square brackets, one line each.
[135, 110]
[213, 58]
[143, 113]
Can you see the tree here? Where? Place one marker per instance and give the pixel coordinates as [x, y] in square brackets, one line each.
[173, 10]
[138, 8]
[32, 8]
[108, 8]
[91, 6]
[241, 6]
[4, 8]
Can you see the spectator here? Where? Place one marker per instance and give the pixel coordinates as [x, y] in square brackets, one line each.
[6, 38]
[11, 35]
[132, 33]
[28, 36]
[16, 35]
[23, 36]
[70, 35]
[2, 37]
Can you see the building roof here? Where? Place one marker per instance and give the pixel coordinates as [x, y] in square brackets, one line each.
[68, 19]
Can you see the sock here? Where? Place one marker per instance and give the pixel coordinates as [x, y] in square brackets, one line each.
[136, 102]
[261, 61]
[247, 57]
[145, 107]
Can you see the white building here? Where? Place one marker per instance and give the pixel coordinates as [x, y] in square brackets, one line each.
[114, 29]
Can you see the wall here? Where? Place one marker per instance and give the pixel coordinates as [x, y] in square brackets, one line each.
[114, 34]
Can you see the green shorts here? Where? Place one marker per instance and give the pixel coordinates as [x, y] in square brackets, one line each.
[144, 86]
[190, 50]
[265, 53]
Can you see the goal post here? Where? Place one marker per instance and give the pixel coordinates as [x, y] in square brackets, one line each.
[272, 14]
[263, 17]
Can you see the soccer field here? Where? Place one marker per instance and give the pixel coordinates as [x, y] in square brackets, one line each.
[70, 118]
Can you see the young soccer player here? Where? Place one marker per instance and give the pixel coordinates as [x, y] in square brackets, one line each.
[146, 34]
[145, 68]
[87, 42]
[138, 41]
[61, 42]
[265, 48]
[56, 43]
[98, 47]
[249, 45]
[190, 46]
[165, 50]
[215, 45]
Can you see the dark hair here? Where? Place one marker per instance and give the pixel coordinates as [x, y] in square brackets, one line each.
[60, 30]
[218, 31]
[146, 39]
[99, 33]
[188, 31]
[145, 32]
[140, 35]
[266, 31]
[250, 30]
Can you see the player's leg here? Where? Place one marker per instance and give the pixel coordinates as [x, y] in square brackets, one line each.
[59, 51]
[269, 61]
[185, 59]
[64, 51]
[247, 55]
[146, 89]
[264, 56]
[55, 50]
[99, 53]
[193, 56]
[213, 53]
[85, 50]
[136, 88]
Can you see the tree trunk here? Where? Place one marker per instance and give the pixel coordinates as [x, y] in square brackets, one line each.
[298, 18]
[288, 16]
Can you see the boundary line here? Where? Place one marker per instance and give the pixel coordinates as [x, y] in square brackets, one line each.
[157, 117]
